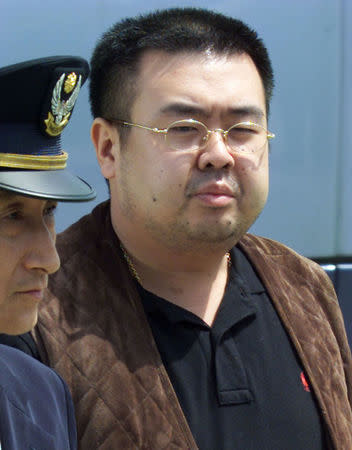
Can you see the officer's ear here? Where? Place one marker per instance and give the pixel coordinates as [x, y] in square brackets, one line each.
[106, 141]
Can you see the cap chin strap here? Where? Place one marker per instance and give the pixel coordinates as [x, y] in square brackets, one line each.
[34, 162]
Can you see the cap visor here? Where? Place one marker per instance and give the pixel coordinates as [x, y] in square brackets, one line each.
[52, 184]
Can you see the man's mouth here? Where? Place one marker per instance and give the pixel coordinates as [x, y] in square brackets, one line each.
[215, 194]
[36, 294]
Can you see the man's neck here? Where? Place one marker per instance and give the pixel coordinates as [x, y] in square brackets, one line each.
[199, 288]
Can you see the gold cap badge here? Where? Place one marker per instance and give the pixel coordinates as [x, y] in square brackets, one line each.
[70, 82]
[61, 109]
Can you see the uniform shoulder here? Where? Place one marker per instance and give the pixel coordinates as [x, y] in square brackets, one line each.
[21, 371]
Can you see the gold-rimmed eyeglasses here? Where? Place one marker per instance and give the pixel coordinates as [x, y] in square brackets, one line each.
[190, 134]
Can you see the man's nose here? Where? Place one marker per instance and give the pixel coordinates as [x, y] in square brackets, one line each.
[216, 154]
[42, 254]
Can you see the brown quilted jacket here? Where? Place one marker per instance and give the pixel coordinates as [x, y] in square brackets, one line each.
[92, 329]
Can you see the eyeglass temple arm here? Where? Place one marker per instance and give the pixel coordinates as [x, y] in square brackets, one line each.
[156, 130]
[269, 135]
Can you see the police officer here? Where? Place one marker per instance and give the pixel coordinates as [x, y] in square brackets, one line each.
[37, 100]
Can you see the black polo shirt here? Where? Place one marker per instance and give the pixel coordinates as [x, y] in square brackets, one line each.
[239, 382]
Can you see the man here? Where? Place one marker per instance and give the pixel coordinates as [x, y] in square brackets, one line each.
[37, 98]
[173, 327]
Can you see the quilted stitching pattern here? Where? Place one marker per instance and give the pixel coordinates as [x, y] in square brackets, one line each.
[116, 377]
[121, 391]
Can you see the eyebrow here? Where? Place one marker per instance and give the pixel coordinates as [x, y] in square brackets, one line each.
[182, 108]
[8, 195]
[248, 111]
[17, 199]
[242, 111]
[11, 201]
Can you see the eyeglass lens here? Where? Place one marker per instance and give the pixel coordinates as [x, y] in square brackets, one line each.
[184, 135]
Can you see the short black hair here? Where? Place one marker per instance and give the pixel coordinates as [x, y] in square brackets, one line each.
[114, 64]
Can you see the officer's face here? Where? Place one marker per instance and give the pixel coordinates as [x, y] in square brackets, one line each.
[27, 256]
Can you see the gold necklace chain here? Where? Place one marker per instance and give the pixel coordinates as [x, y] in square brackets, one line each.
[131, 267]
[134, 272]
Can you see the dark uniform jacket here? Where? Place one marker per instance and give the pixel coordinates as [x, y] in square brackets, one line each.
[93, 330]
[36, 410]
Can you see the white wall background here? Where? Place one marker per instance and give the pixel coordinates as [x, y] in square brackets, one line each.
[310, 202]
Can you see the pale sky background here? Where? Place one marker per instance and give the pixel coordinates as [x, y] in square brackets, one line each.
[309, 206]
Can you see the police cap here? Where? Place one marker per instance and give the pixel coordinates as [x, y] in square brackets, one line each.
[37, 100]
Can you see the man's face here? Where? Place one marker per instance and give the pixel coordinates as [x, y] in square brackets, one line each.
[188, 199]
[27, 256]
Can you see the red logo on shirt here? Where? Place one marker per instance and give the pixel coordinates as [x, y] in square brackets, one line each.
[305, 382]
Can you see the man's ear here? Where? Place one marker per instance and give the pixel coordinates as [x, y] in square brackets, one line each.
[105, 138]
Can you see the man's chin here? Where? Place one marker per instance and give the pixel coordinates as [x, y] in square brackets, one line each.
[227, 233]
